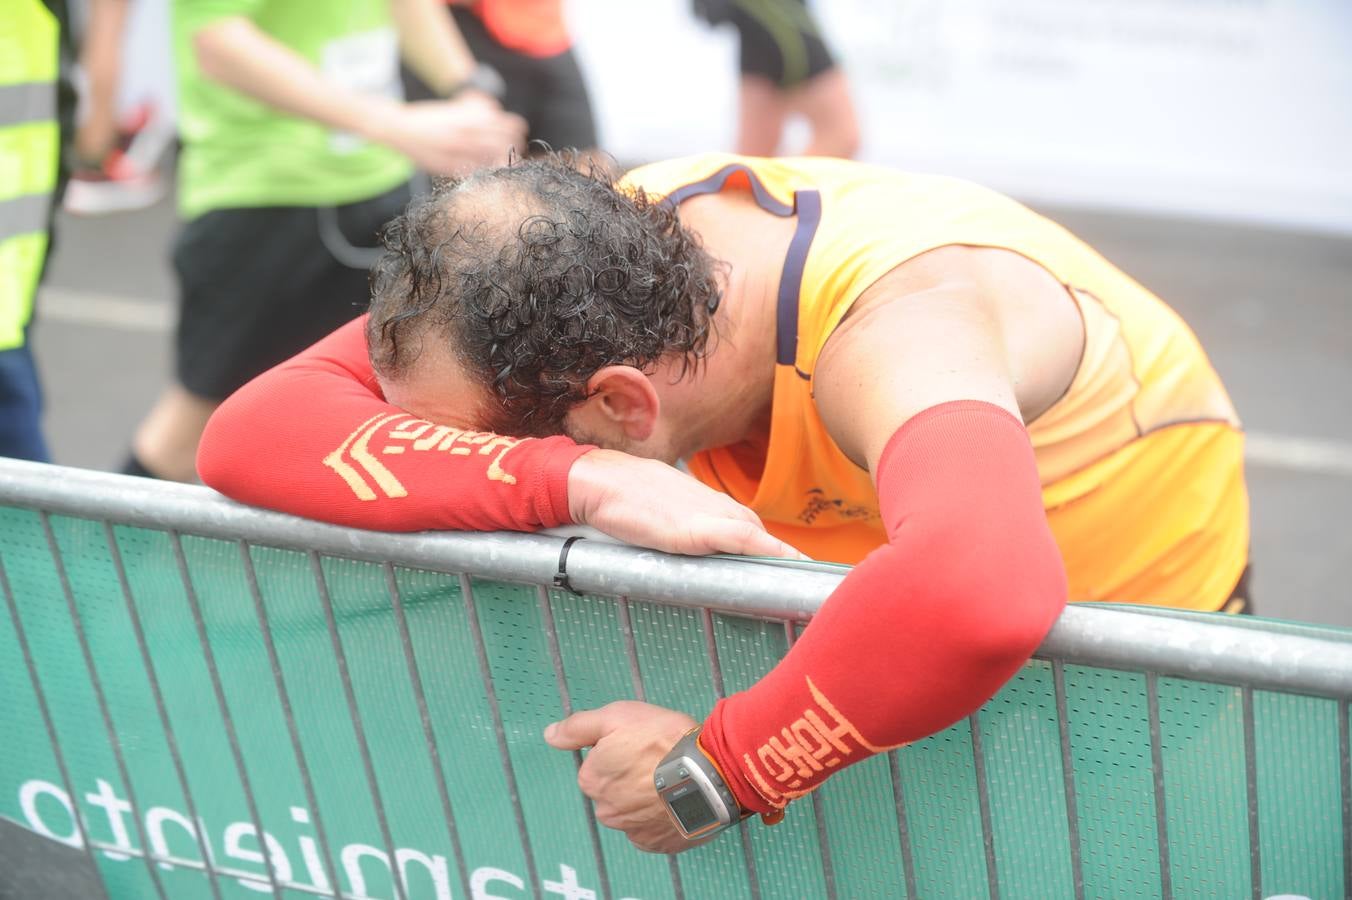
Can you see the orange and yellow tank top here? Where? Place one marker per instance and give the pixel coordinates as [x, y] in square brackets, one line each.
[1141, 460]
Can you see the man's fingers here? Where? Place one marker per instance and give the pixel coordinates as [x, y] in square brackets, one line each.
[581, 729]
[787, 551]
[745, 539]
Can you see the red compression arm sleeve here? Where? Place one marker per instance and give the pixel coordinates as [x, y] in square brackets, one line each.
[314, 437]
[924, 630]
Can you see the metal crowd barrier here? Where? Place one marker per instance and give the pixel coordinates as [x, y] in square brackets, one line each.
[190, 688]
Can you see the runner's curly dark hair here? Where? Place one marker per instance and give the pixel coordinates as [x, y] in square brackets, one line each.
[536, 275]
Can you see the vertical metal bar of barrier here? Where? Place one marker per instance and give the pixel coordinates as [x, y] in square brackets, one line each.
[631, 649]
[641, 694]
[161, 708]
[1251, 789]
[818, 808]
[47, 722]
[565, 700]
[359, 730]
[716, 668]
[114, 742]
[429, 734]
[983, 799]
[1345, 753]
[1068, 774]
[508, 770]
[231, 735]
[1152, 697]
[903, 828]
[288, 714]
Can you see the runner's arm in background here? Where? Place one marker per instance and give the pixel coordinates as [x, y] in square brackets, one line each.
[445, 137]
[314, 437]
[431, 44]
[101, 63]
[927, 627]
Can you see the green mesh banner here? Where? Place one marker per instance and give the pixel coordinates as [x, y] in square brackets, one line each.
[176, 710]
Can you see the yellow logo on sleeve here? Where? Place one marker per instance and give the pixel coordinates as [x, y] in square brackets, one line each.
[821, 738]
[357, 462]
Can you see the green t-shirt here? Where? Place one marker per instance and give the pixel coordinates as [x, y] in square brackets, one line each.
[240, 152]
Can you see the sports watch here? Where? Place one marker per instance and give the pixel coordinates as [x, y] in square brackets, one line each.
[697, 797]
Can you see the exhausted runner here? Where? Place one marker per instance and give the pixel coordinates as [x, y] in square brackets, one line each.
[907, 372]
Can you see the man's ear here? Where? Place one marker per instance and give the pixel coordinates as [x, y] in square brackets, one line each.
[624, 397]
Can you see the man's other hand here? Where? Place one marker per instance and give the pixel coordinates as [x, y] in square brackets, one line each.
[649, 503]
[627, 740]
[451, 137]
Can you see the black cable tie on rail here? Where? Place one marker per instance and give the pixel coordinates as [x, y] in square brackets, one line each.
[561, 577]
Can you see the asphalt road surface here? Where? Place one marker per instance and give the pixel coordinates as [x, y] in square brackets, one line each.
[1273, 308]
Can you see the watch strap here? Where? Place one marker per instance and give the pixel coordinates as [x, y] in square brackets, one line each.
[771, 818]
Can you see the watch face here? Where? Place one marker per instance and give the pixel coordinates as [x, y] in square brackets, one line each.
[693, 811]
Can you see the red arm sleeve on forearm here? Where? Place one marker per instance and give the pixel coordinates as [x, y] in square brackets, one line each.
[925, 629]
[314, 437]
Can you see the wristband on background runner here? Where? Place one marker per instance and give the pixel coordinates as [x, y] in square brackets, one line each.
[924, 631]
[483, 78]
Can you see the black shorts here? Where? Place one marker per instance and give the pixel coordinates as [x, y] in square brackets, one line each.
[259, 285]
[548, 92]
[780, 41]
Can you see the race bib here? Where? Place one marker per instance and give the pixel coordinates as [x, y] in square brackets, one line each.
[366, 62]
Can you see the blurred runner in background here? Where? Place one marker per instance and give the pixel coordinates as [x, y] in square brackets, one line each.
[297, 148]
[37, 111]
[130, 173]
[117, 152]
[786, 70]
[527, 44]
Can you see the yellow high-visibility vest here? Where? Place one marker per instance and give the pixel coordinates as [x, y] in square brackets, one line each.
[29, 156]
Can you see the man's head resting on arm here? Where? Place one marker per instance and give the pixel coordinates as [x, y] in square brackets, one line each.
[516, 292]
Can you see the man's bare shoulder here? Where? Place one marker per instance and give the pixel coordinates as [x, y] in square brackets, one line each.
[953, 323]
[1002, 275]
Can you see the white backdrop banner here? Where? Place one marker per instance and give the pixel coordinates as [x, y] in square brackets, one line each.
[1236, 109]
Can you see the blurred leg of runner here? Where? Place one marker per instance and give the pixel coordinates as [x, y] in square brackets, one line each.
[825, 102]
[166, 442]
[761, 111]
[786, 69]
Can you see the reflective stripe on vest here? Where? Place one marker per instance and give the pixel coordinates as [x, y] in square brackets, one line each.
[29, 153]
